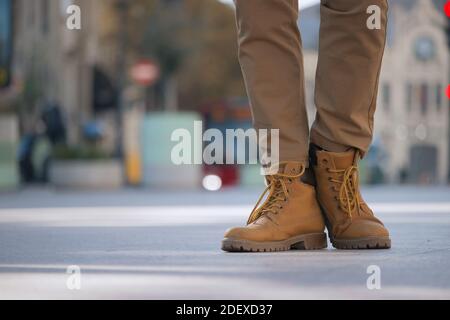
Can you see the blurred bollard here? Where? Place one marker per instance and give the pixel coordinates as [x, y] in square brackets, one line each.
[133, 168]
[158, 170]
[131, 136]
[9, 137]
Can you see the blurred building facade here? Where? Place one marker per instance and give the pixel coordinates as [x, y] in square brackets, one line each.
[59, 65]
[75, 68]
[412, 119]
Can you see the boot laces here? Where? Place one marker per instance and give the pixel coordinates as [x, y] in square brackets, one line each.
[349, 198]
[277, 193]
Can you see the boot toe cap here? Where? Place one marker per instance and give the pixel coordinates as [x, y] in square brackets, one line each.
[236, 233]
[365, 229]
[251, 233]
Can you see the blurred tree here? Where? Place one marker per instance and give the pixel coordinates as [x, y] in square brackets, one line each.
[194, 42]
[163, 42]
[211, 71]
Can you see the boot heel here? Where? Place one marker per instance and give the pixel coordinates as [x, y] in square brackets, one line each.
[311, 242]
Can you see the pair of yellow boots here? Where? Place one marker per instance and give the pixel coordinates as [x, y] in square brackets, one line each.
[295, 213]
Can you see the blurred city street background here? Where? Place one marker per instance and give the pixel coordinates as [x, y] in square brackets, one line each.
[86, 179]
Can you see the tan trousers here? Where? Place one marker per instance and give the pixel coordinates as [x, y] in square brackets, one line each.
[350, 55]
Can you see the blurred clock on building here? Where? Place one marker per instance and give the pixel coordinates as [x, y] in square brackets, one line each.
[424, 48]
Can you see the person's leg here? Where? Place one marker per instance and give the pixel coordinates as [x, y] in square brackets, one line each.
[272, 65]
[350, 56]
[271, 59]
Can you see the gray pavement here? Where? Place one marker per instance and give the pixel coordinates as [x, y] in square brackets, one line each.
[146, 244]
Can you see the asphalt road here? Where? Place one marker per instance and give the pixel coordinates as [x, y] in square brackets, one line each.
[144, 244]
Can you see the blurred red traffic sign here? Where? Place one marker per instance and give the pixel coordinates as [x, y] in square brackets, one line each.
[447, 9]
[145, 72]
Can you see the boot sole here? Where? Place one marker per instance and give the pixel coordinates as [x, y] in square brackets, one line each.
[312, 241]
[362, 243]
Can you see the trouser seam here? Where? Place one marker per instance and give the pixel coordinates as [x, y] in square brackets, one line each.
[375, 93]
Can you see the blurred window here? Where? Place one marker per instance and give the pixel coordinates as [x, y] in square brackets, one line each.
[424, 98]
[31, 13]
[105, 94]
[45, 16]
[5, 42]
[409, 96]
[387, 96]
[439, 92]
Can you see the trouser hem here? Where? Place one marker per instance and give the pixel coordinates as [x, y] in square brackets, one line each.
[332, 146]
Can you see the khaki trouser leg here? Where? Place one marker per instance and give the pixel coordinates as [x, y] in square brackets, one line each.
[272, 63]
[347, 76]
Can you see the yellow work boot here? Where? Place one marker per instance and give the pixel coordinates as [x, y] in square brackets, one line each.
[350, 222]
[289, 218]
